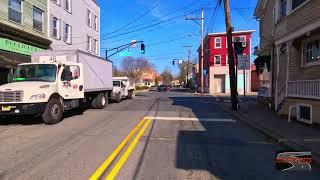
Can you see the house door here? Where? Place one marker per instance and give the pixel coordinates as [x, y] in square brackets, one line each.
[219, 85]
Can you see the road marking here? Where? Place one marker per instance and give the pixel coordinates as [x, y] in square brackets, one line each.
[191, 119]
[96, 175]
[126, 154]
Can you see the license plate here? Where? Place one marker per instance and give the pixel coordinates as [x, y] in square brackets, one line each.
[6, 108]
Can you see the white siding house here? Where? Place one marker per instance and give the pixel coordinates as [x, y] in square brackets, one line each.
[74, 25]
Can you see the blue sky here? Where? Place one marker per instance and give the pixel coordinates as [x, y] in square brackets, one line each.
[117, 13]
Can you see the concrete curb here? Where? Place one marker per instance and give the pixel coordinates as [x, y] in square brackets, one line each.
[139, 91]
[278, 138]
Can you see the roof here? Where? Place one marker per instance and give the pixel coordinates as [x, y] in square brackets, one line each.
[233, 33]
[261, 4]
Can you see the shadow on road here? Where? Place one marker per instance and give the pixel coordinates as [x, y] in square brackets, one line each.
[228, 150]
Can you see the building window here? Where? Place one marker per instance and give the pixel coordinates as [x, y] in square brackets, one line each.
[37, 19]
[15, 13]
[55, 27]
[311, 51]
[89, 43]
[217, 60]
[243, 40]
[96, 23]
[296, 3]
[217, 42]
[89, 20]
[283, 8]
[96, 46]
[56, 1]
[68, 5]
[227, 59]
[67, 34]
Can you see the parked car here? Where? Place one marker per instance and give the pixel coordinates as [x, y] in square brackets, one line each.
[153, 88]
[162, 88]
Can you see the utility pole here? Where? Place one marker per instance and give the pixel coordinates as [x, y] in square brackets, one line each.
[188, 64]
[234, 98]
[202, 35]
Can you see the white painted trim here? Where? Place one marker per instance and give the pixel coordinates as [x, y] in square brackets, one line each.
[288, 66]
[235, 32]
[298, 33]
[304, 81]
[298, 113]
[306, 97]
[277, 75]
[215, 43]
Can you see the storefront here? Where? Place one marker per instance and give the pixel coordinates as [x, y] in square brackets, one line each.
[16, 47]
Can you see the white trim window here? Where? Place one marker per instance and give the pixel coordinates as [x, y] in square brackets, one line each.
[243, 40]
[56, 2]
[37, 19]
[311, 51]
[67, 5]
[296, 3]
[15, 10]
[89, 44]
[217, 60]
[67, 34]
[283, 8]
[55, 27]
[96, 46]
[89, 18]
[96, 23]
[217, 42]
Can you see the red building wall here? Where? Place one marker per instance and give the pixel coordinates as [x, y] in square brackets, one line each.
[223, 51]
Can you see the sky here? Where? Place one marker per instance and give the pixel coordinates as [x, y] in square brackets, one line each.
[161, 24]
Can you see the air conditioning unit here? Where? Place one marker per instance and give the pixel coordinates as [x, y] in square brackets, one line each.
[304, 113]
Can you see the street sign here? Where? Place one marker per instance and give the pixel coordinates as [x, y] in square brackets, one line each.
[125, 53]
[180, 61]
[243, 62]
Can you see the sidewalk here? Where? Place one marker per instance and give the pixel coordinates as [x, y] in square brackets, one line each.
[297, 136]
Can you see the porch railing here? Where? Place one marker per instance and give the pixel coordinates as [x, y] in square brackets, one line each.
[304, 89]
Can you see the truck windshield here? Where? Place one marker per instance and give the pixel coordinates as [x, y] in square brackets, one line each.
[116, 83]
[36, 72]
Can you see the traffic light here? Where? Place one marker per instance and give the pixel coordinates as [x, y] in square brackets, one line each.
[173, 63]
[142, 49]
[238, 48]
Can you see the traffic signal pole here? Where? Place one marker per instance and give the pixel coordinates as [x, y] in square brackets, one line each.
[234, 98]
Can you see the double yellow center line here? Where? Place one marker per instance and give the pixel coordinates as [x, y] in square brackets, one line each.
[144, 123]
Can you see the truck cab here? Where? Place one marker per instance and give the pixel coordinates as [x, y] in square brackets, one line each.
[122, 89]
[49, 86]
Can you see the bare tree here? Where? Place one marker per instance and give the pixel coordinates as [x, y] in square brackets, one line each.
[134, 68]
[167, 76]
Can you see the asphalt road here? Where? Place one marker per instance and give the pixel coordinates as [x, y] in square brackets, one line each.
[191, 138]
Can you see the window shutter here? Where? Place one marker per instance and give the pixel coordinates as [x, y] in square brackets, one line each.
[70, 34]
[64, 31]
[59, 29]
[51, 25]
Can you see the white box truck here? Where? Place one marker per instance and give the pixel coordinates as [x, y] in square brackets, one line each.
[56, 81]
[122, 89]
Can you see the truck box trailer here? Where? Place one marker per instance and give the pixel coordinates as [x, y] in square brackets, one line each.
[56, 81]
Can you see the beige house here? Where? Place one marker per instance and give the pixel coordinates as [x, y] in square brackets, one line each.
[295, 56]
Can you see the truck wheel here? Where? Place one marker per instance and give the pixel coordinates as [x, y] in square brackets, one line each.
[118, 98]
[53, 112]
[130, 94]
[101, 101]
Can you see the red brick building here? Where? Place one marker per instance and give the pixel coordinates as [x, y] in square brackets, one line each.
[217, 78]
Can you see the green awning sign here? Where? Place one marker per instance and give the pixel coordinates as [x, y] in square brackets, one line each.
[17, 47]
